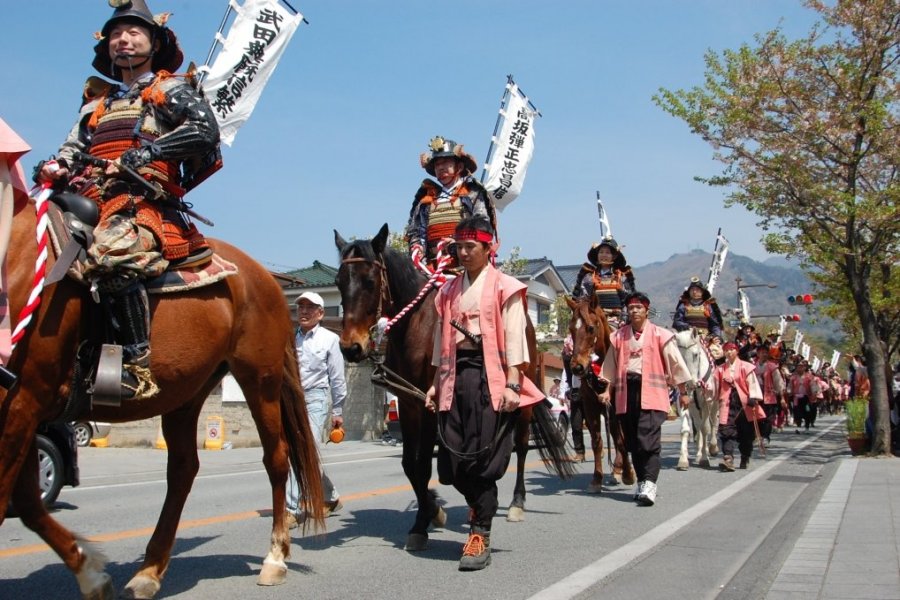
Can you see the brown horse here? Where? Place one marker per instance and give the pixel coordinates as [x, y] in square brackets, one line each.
[590, 335]
[376, 280]
[240, 324]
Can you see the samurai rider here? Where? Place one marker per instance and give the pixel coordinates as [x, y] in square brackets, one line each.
[440, 205]
[698, 309]
[607, 275]
[158, 124]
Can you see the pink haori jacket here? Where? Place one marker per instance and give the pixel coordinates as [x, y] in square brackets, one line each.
[661, 366]
[747, 386]
[498, 289]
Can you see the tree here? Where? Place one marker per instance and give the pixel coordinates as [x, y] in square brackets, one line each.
[808, 134]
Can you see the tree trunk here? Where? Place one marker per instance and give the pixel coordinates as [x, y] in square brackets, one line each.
[875, 360]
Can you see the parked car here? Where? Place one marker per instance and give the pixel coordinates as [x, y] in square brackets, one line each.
[57, 461]
[85, 431]
[560, 414]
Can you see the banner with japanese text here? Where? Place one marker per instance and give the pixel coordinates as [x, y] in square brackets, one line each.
[513, 149]
[249, 54]
[718, 262]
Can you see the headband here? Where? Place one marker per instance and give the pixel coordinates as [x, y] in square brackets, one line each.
[730, 346]
[462, 235]
[636, 300]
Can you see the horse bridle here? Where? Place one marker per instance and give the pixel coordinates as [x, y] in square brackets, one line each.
[385, 295]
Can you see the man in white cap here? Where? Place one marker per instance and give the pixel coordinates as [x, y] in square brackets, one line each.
[321, 369]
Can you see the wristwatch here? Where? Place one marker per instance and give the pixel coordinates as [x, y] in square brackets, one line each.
[515, 387]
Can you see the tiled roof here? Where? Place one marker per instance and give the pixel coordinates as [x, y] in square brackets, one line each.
[569, 273]
[318, 275]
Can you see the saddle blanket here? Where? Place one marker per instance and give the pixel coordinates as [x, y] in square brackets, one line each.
[191, 275]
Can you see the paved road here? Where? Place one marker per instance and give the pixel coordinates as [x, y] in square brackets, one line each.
[711, 534]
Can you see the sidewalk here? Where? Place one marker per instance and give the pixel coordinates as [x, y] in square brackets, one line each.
[850, 547]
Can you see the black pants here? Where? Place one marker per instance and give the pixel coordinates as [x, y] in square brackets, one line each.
[765, 427]
[802, 412]
[576, 421]
[643, 432]
[476, 440]
[739, 433]
[813, 413]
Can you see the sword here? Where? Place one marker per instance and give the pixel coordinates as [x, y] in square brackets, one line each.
[762, 446]
[475, 339]
[156, 191]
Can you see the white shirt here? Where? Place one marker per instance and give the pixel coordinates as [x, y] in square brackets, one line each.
[322, 364]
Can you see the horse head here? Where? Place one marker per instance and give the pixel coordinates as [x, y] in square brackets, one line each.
[590, 332]
[362, 281]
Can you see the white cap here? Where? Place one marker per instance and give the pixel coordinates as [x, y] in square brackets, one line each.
[312, 297]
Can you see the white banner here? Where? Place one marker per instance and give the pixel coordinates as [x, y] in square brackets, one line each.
[718, 262]
[805, 350]
[798, 338]
[513, 148]
[605, 229]
[745, 306]
[254, 44]
[835, 357]
[816, 363]
[782, 325]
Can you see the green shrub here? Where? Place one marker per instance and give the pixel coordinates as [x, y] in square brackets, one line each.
[856, 417]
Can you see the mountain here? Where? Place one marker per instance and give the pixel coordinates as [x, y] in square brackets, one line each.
[665, 281]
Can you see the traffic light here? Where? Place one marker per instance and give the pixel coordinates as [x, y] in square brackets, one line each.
[801, 299]
[794, 318]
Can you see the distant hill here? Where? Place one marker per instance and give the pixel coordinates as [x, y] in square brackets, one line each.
[665, 281]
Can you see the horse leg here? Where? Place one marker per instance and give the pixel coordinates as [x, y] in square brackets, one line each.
[592, 417]
[700, 415]
[180, 432]
[629, 476]
[82, 558]
[419, 432]
[683, 462]
[516, 511]
[713, 443]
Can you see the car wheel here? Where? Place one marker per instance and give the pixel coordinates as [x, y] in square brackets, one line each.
[50, 470]
[83, 434]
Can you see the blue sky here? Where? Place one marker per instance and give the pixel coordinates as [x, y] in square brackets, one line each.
[335, 140]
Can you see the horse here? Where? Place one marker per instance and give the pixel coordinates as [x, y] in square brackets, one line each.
[590, 333]
[376, 280]
[702, 416]
[240, 324]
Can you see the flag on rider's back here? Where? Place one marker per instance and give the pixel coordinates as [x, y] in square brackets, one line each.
[251, 50]
[514, 148]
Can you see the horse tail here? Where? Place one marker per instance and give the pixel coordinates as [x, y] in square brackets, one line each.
[550, 441]
[301, 440]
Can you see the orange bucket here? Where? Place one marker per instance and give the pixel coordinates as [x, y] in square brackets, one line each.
[337, 435]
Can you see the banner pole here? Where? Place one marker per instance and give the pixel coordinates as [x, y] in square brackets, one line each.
[205, 69]
[503, 102]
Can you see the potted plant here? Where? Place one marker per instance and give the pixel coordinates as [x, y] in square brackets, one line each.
[856, 410]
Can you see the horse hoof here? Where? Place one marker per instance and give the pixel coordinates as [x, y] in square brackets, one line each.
[713, 450]
[439, 519]
[416, 542]
[703, 463]
[272, 574]
[611, 480]
[594, 488]
[681, 467]
[630, 478]
[141, 587]
[104, 591]
[515, 514]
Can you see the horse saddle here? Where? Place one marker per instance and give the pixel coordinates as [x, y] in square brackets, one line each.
[72, 218]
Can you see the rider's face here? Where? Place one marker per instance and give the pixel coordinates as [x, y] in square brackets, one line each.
[447, 170]
[604, 255]
[696, 293]
[128, 39]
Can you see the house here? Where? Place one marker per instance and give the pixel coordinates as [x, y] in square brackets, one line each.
[545, 286]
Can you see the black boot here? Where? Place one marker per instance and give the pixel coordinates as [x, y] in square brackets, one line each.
[131, 320]
[477, 551]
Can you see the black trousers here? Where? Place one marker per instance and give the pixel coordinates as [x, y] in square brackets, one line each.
[576, 422]
[643, 432]
[476, 440]
[738, 430]
[803, 412]
[765, 427]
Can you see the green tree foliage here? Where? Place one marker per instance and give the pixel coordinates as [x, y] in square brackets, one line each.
[809, 135]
